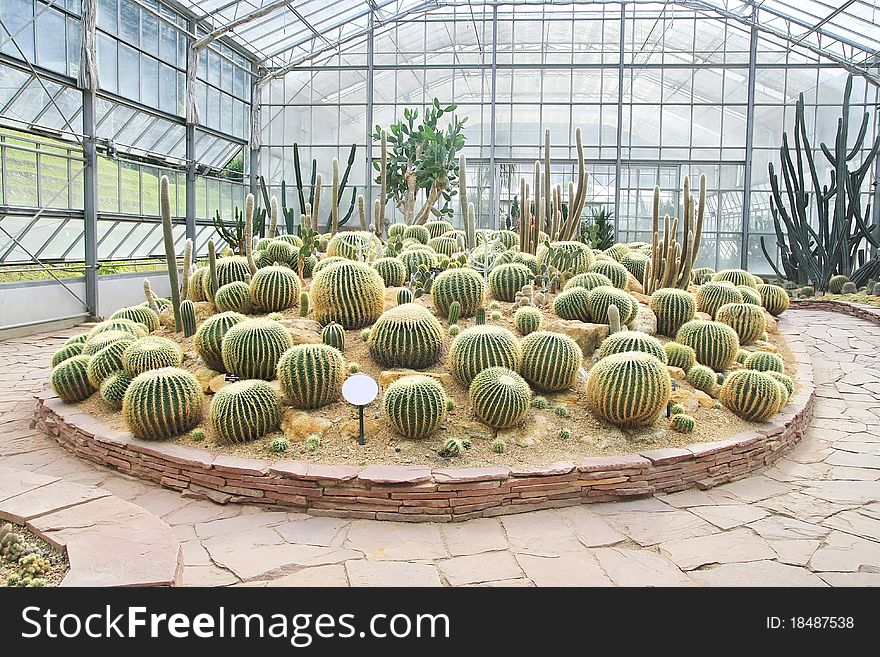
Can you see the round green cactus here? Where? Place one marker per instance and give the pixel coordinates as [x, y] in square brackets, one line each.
[354, 245]
[77, 339]
[97, 342]
[406, 336]
[396, 229]
[747, 320]
[711, 296]
[617, 251]
[628, 389]
[624, 341]
[742, 355]
[702, 378]
[582, 257]
[679, 355]
[162, 403]
[437, 228]
[412, 259]
[601, 297]
[348, 293]
[251, 348]
[333, 335]
[293, 240]
[764, 361]
[702, 275]
[500, 397]
[106, 362]
[134, 329]
[208, 340]
[444, 245]
[673, 308]
[774, 299]
[151, 353]
[508, 279]
[391, 270]
[231, 268]
[67, 351]
[234, 297]
[752, 395]
[463, 285]
[677, 409]
[311, 375]
[195, 291]
[526, 259]
[275, 288]
[636, 263]
[528, 319]
[139, 314]
[614, 271]
[736, 276]
[750, 295]
[326, 262]
[480, 347]
[836, 283]
[682, 423]
[415, 405]
[715, 344]
[416, 232]
[70, 379]
[588, 281]
[244, 411]
[280, 251]
[113, 388]
[573, 303]
[550, 361]
[785, 380]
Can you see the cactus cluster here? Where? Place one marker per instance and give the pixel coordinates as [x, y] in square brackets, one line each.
[70, 379]
[251, 349]
[711, 296]
[528, 319]
[415, 405]
[406, 336]
[550, 361]
[480, 347]
[208, 341]
[234, 297]
[462, 285]
[500, 397]
[753, 395]
[747, 320]
[391, 270]
[140, 315]
[573, 303]
[673, 308]
[349, 293]
[275, 288]
[624, 341]
[151, 353]
[628, 389]
[106, 362]
[162, 403]
[715, 344]
[244, 411]
[311, 375]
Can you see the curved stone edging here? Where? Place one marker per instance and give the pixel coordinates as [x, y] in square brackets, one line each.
[868, 313]
[108, 541]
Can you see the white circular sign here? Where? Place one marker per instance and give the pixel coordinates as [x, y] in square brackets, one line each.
[360, 389]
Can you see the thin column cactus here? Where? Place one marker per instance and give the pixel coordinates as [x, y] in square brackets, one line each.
[469, 227]
[273, 217]
[362, 214]
[211, 284]
[170, 255]
[383, 186]
[248, 236]
[151, 298]
[334, 199]
[187, 268]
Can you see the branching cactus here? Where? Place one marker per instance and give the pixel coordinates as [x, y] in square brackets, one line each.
[211, 284]
[170, 255]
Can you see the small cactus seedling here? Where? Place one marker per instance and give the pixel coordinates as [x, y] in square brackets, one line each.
[564, 434]
[540, 402]
[279, 446]
[197, 435]
[450, 404]
[353, 368]
[498, 446]
[677, 409]
[561, 411]
[365, 335]
[451, 448]
[313, 442]
[496, 315]
[275, 316]
[466, 443]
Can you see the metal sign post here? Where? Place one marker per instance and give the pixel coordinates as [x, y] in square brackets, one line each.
[360, 390]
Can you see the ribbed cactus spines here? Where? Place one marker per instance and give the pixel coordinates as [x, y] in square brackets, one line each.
[406, 336]
[715, 344]
[614, 271]
[309, 264]
[454, 313]
[244, 411]
[673, 308]
[463, 285]
[415, 405]
[404, 295]
[527, 259]
[354, 245]
[628, 389]
[67, 351]
[786, 382]
[232, 268]
[444, 245]
[170, 254]
[528, 319]
[391, 270]
[747, 320]
[500, 397]
[396, 229]
[702, 378]
[106, 362]
[150, 353]
[617, 251]
[508, 238]
[251, 349]
[711, 296]
[304, 304]
[774, 299]
[208, 340]
[349, 293]
[77, 339]
[234, 297]
[508, 279]
[333, 335]
[582, 257]
[70, 379]
[741, 356]
[750, 295]
[736, 276]
[702, 275]
[188, 317]
[279, 251]
[311, 375]
[437, 228]
[134, 329]
[414, 258]
[209, 281]
[624, 341]
[682, 423]
[275, 288]
[636, 263]
[573, 303]
[550, 361]
[588, 280]
[601, 297]
[763, 361]
[836, 283]
[97, 342]
[416, 232]
[139, 314]
[480, 347]
[480, 317]
[113, 388]
[679, 355]
[753, 395]
[164, 403]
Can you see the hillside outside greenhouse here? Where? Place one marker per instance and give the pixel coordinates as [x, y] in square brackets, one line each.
[453, 293]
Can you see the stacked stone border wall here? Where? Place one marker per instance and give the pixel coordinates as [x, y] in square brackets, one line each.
[413, 493]
[868, 313]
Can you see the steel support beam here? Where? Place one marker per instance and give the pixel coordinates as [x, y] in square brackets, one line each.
[90, 201]
[493, 209]
[190, 165]
[747, 170]
[617, 163]
[368, 191]
[875, 209]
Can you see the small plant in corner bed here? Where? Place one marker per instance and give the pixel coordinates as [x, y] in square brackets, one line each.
[598, 230]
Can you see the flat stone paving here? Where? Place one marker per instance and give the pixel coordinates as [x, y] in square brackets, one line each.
[812, 519]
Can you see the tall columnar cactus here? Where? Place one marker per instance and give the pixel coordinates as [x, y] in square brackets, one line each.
[170, 255]
[454, 313]
[614, 325]
[150, 297]
[679, 355]
[211, 284]
[234, 297]
[187, 268]
[715, 344]
[702, 378]
[273, 218]
[711, 296]
[304, 304]
[139, 314]
[383, 187]
[349, 293]
[150, 353]
[508, 279]
[275, 288]
[244, 411]
[480, 347]
[333, 335]
[619, 343]
[763, 361]
[573, 303]
[528, 319]
[500, 397]
[311, 375]
[106, 362]
[391, 270]
[628, 389]
[750, 295]
[67, 351]
[113, 388]
[753, 395]
[480, 317]
[614, 271]
[673, 308]
[415, 405]
[736, 276]
[406, 336]
[601, 297]
[251, 349]
[70, 379]
[774, 299]
[188, 316]
[550, 361]
[334, 198]
[588, 281]
[163, 403]
[467, 219]
[463, 285]
[747, 320]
